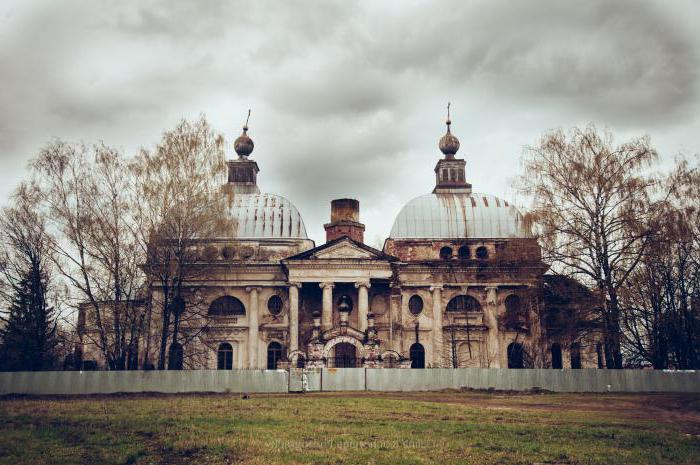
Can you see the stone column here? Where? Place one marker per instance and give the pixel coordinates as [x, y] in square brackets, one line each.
[362, 304]
[294, 316]
[491, 321]
[437, 325]
[253, 327]
[327, 309]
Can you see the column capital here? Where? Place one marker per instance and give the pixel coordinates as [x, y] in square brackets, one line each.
[253, 288]
[360, 284]
[437, 287]
[326, 285]
[294, 284]
[491, 295]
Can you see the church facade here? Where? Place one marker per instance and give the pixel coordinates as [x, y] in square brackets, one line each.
[460, 282]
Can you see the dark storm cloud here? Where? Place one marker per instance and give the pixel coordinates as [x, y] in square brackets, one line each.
[348, 97]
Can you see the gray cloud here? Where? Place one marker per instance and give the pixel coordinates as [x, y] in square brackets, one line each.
[348, 98]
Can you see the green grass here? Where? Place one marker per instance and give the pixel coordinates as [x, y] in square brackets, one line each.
[416, 428]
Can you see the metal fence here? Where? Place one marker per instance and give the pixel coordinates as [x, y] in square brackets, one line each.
[346, 379]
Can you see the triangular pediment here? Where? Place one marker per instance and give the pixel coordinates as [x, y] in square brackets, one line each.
[343, 248]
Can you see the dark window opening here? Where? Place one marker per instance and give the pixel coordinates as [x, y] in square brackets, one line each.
[482, 253]
[463, 252]
[226, 306]
[515, 317]
[463, 303]
[274, 355]
[274, 305]
[599, 353]
[175, 357]
[301, 362]
[417, 353]
[224, 357]
[345, 356]
[576, 355]
[515, 355]
[556, 356]
[415, 304]
[446, 253]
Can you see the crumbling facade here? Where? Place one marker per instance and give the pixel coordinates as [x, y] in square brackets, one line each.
[459, 283]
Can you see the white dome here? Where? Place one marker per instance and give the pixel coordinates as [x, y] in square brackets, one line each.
[458, 215]
[265, 216]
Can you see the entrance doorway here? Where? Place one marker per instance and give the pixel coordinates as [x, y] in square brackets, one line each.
[345, 356]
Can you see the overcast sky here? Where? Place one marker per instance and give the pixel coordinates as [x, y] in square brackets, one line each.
[348, 98]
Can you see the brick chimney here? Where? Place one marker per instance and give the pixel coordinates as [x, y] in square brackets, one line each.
[345, 220]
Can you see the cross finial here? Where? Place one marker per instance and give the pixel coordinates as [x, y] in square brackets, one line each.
[245, 126]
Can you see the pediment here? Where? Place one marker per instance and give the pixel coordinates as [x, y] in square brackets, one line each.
[344, 250]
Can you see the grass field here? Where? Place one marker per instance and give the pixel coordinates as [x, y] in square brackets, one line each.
[361, 428]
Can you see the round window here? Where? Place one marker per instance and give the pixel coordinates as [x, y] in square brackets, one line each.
[482, 253]
[274, 305]
[415, 304]
[446, 253]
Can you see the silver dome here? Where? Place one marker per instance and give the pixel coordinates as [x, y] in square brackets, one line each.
[265, 216]
[458, 215]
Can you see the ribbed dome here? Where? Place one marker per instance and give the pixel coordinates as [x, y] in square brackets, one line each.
[265, 216]
[458, 215]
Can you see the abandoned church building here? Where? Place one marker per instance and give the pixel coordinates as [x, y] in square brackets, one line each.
[460, 282]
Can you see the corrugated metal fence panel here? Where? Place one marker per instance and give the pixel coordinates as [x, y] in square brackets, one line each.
[348, 379]
[108, 382]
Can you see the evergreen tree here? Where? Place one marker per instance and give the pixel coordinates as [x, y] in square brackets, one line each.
[28, 340]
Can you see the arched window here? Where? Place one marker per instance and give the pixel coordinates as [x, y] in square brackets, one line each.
[415, 304]
[226, 306]
[274, 355]
[576, 355]
[463, 303]
[417, 353]
[463, 252]
[175, 357]
[599, 353]
[224, 357]
[482, 253]
[556, 356]
[515, 355]
[446, 253]
[274, 305]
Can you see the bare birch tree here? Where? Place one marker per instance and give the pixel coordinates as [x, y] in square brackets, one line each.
[661, 301]
[85, 191]
[592, 211]
[179, 202]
